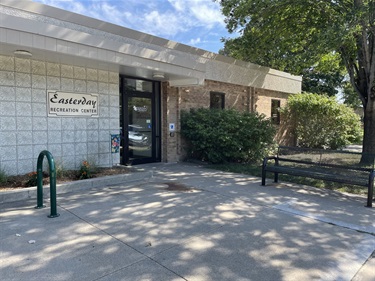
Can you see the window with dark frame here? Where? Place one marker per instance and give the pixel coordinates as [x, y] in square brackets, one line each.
[217, 100]
[275, 112]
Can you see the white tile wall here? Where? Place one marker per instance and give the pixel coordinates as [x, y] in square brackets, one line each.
[39, 122]
[53, 69]
[24, 137]
[25, 152]
[40, 137]
[39, 81]
[114, 112]
[7, 93]
[80, 86]
[8, 139]
[103, 88]
[23, 65]
[67, 84]
[38, 67]
[79, 73]
[92, 136]
[8, 123]
[23, 80]
[7, 78]
[56, 148]
[68, 137]
[23, 123]
[7, 108]
[23, 94]
[53, 83]
[92, 87]
[6, 63]
[38, 95]
[103, 76]
[25, 129]
[92, 124]
[92, 75]
[55, 137]
[67, 71]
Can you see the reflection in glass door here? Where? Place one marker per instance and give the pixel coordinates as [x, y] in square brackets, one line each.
[140, 127]
[139, 121]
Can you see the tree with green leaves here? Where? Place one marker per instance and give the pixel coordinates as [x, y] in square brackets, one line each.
[292, 35]
[324, 77]
[319, 121]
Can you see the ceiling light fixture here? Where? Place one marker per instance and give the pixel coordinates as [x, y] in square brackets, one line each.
[22, 53]
[158, 75]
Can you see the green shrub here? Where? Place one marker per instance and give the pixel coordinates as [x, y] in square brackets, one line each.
[60, 170]
[319, 121]
[220, 136]
[86, 171]
[32, 179]
[3, 176]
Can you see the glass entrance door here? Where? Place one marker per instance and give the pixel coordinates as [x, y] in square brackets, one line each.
[140, 128]
[140, 121]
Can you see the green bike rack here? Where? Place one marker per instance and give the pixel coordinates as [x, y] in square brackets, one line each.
[52, 186]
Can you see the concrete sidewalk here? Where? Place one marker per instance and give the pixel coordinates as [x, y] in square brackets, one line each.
[190, 223]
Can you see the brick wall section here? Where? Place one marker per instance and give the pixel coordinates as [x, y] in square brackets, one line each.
[170, 114]
[236, 96]
[263, 100]
[26, 130]
[184, 98]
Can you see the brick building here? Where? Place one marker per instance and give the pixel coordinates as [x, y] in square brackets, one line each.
[74, 85]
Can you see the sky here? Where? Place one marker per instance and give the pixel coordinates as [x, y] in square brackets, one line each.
[197, 23]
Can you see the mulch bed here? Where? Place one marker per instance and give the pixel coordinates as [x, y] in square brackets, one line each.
[21, 181]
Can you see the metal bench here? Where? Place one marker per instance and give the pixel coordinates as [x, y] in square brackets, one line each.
[328, 165]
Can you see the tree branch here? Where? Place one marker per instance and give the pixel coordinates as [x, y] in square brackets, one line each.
[353, 72]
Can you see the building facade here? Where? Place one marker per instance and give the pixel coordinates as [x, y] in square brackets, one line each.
[85, 89]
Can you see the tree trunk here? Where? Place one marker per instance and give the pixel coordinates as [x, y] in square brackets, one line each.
[369, 133]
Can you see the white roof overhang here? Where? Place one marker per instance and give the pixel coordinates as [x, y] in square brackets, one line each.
[55, 35]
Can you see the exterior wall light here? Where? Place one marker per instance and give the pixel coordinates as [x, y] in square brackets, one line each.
[158, 75]
[22, 53]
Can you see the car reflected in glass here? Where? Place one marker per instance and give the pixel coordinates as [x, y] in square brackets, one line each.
[137, 137]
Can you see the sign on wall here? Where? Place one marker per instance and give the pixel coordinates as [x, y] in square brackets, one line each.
[115, 143]
[72, 104]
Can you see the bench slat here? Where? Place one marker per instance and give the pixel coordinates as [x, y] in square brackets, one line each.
[362, 180]
[349, 167]
[328, 165]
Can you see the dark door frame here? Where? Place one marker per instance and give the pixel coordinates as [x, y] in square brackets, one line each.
[155, 97]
